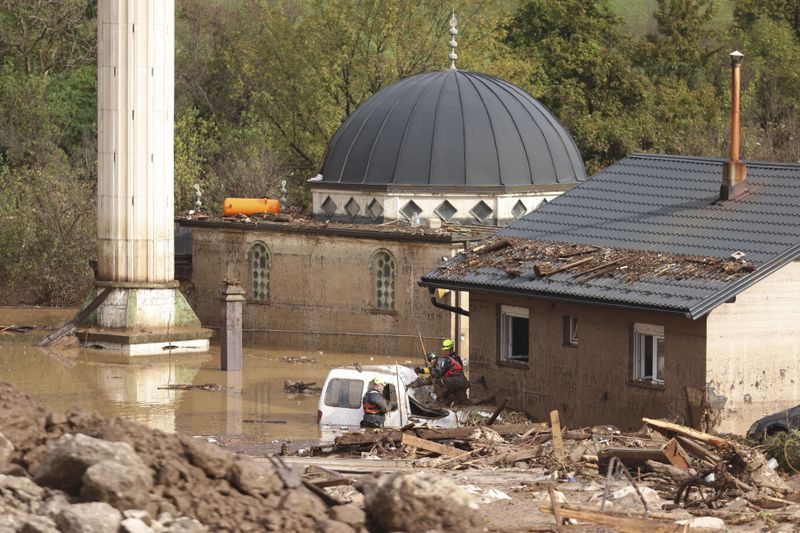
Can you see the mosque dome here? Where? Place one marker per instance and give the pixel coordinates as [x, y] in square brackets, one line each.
[452, 128]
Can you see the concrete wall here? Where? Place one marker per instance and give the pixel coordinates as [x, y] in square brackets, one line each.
[321, 292]
[591, 383]
[754, 351]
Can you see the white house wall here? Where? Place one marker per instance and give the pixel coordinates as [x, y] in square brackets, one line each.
[753, 351]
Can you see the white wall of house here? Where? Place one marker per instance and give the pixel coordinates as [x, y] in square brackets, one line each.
[753, 351]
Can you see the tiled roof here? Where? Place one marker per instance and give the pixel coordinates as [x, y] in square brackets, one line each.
[662, 204]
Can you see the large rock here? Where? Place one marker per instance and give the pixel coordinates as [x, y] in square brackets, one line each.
[6, 449]
[212, 459]
[21, 488]
[349, 513]
[94, 517]
[64, 465]
[420, 501]
[255, 478]
[124, 487]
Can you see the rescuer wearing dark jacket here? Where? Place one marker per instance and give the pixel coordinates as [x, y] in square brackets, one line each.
[375, 405]
[447, 372]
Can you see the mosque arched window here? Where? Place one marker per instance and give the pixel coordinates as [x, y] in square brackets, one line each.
[259, 259]
[383, 270]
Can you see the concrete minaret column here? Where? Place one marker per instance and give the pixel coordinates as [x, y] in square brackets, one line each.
[143, 312]
[136, 70]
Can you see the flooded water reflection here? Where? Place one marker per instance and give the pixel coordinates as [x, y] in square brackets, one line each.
[255, 405]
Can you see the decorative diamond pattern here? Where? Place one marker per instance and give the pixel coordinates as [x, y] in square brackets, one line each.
[352, 207]
[410, 210]
[445, 211]
[519, 210]
[329, 206]
[481, 211]
[375, 209]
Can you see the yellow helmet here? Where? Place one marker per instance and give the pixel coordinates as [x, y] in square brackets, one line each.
[377, 381]
[448, 344]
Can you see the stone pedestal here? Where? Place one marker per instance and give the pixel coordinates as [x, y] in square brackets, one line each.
[230, 332]
[144, 319]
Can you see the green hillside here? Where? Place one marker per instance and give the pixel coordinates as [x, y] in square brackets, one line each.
[638, 14]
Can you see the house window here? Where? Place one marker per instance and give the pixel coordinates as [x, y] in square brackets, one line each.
[571, 330]
[648, 353]
[259, 260]
[514, 333]
[383, 271]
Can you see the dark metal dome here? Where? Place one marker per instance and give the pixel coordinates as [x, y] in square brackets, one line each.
[452, 128]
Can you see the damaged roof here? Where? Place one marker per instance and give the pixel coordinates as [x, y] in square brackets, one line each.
[663, 211]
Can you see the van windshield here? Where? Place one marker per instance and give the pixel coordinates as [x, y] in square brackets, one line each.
[344, 393]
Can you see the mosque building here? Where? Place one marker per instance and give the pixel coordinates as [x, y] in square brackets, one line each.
[420, 171]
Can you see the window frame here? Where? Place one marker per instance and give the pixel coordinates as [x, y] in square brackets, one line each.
[571, 328]
[507, 314]
[373, 270]
[642, 334]
[267, 270]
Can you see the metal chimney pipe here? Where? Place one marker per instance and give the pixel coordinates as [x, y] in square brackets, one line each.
[734, 172]
[736, 67]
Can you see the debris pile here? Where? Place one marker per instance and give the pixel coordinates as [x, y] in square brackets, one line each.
[300, 219]
[82, 472]
[665, 473]
[540, 259]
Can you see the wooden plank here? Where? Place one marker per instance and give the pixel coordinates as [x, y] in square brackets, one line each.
[686, 432]
[558, 441]
[70, 326]
[695, 398]
[556, 511]
[631, 457]
[497, 413]
[491, 246]
[598, 267]
[698, 450]
[622, 524]
[395, 435]
[514, 457]
[543, 271]
[431, 446]
[675, 454]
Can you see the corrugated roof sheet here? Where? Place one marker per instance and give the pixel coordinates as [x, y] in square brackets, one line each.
[662, 204]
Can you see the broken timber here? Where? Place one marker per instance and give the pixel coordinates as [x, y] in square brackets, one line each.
[491, 246]
[395, 435]
[615, 522]
[543, 270]
[686, 432]
[70, 326]
[431, 446]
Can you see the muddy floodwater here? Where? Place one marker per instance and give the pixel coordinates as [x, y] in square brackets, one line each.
[253, 408]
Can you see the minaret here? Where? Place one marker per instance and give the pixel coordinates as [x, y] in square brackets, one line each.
[144, 313]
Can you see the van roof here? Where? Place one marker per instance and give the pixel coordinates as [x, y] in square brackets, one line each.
[407, 375]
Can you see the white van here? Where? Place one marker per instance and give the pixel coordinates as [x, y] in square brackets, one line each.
[344, 388]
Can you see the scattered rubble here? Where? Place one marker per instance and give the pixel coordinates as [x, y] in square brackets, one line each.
[300, 219]
[523, 257]
[658, 478]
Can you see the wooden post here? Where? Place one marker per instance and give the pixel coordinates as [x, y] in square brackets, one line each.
[230, 332]
[558, 441]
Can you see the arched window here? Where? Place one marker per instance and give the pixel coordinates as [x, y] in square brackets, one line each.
[259, 260]
[383, 271]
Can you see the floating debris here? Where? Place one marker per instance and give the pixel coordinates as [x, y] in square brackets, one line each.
[298, 359]
[205, 386]
[298, 387]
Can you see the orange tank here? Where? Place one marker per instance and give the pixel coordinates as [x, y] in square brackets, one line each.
[250, 206]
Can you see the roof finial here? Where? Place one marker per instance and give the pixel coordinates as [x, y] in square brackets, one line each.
[453, 44]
